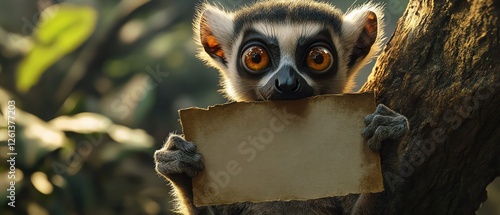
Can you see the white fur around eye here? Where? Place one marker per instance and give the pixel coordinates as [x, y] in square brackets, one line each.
[287, 35]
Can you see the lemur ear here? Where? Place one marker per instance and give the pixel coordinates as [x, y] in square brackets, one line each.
[363, 27]
[214, 28]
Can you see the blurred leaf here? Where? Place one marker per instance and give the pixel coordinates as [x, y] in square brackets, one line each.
[86, 123]
[37, 137]
[133, 137]
[41, 183]
[83, 123]
[57, 34]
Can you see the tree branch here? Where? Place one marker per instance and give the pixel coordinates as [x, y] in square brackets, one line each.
[440, 69]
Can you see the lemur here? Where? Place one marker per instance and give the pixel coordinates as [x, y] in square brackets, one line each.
[275, 50]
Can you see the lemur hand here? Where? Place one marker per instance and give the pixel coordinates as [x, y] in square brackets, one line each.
[178, 156]
[384, 124]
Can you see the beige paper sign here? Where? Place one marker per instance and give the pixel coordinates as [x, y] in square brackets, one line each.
[283, 150]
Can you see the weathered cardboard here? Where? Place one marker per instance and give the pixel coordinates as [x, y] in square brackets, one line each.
[283, 150]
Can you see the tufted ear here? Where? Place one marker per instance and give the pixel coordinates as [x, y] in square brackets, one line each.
[363, 28]
[213, 32]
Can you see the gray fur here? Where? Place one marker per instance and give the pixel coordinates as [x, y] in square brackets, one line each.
[384, 124]
[178, 160]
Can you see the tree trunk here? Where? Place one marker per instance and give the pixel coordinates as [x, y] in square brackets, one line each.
[441, 70]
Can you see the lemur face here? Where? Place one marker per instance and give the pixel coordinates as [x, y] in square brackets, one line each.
[287, 49]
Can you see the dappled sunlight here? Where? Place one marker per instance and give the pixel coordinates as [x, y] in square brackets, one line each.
[41, 183]
[58, 180]
[134, 137]
[36, 209]
[39, 136]
[4, 184]
[45, 135]
[150, 206]
[131, 31]
[16, 42]
[86, 123]
[82, 123]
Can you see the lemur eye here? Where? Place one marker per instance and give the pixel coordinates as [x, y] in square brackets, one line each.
[256, 58]
[319, 59]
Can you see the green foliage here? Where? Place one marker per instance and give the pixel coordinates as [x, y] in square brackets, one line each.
[52, 156]
[92, 151]
[58, 33]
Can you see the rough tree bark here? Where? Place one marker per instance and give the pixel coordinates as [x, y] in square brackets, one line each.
[441, 70]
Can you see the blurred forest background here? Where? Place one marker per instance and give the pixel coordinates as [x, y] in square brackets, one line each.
[97, 85]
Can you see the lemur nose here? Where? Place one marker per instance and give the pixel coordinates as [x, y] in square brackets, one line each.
[286, 85]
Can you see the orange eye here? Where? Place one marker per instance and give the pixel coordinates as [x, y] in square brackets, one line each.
[256, 58]
[319, 59]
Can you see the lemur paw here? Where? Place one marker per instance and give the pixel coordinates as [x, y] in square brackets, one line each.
[384, 124]
[178, 156]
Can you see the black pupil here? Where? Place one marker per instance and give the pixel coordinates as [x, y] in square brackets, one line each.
[318, 58]
[256, 58]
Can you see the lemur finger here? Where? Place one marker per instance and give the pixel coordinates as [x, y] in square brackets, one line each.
[384, 110]
[173, 162]
[177, 142]
[178, 167]
[396, 130]
[399, 128]
[380, 134]
[369, 118]
[376, 121]
[380, 110]
[163, 156]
